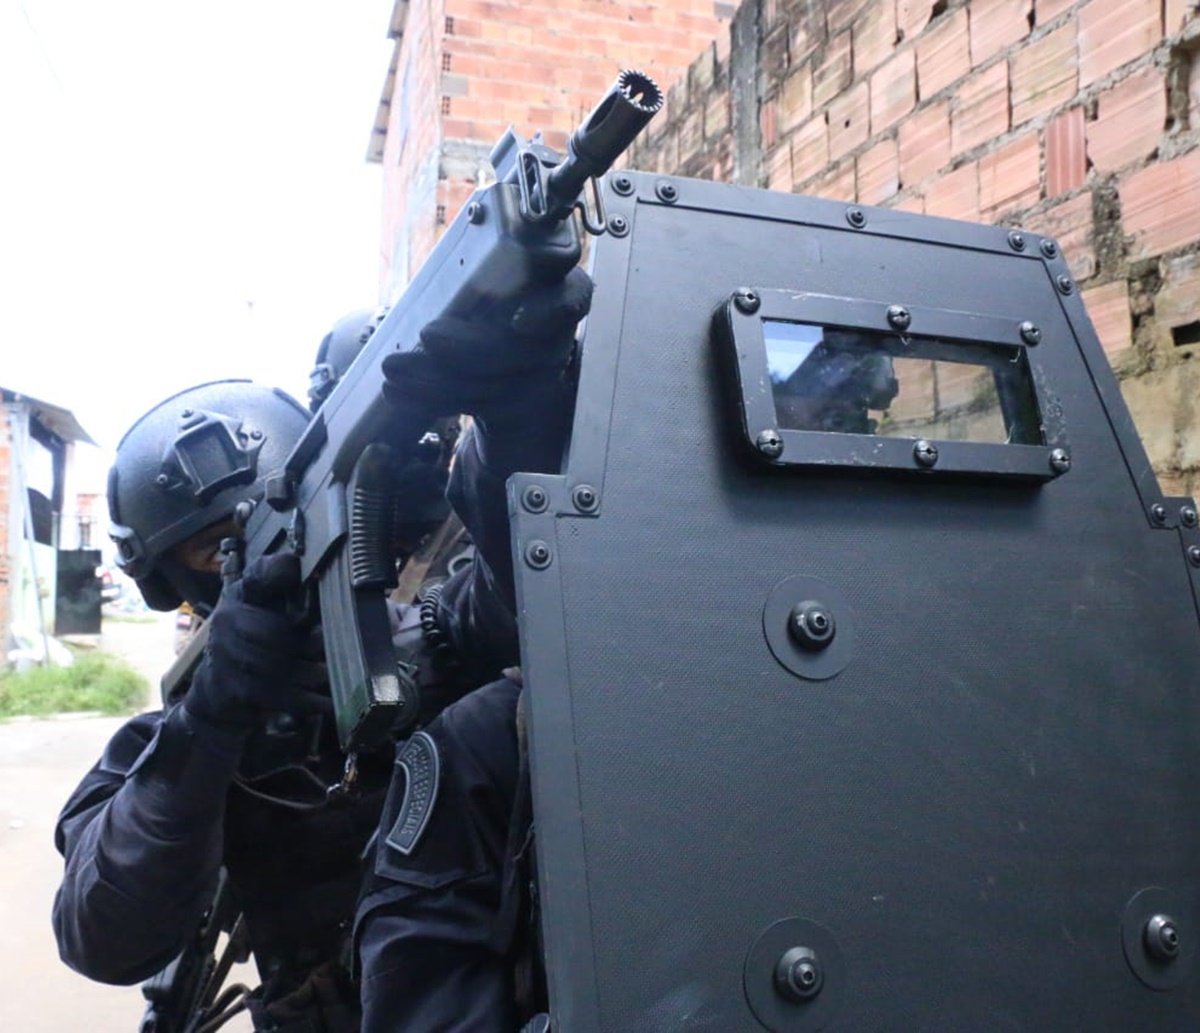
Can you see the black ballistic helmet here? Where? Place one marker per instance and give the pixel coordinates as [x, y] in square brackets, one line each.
[338, 349]
[184, 466]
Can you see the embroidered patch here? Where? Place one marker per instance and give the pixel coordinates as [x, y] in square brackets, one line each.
[422, 767]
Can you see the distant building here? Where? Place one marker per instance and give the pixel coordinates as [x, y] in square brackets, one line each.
[39, 511]
[462, 72]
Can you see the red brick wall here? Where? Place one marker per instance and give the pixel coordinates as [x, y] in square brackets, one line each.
[469, 68]
[1076, 118]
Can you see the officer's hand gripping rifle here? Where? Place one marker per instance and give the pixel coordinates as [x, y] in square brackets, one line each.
[334, 502]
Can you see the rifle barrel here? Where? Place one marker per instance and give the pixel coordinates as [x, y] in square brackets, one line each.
[622, 113]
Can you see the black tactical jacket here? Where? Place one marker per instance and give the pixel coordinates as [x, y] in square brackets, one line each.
[171, 800]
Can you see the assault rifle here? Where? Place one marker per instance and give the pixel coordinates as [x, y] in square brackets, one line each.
[334, 502]
[184, 995]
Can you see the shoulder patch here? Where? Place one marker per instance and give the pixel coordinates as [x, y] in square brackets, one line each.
[422, 769]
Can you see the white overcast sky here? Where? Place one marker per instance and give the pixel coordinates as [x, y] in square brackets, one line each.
[184, 194]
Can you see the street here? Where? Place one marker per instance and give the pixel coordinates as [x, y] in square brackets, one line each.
[41, 761]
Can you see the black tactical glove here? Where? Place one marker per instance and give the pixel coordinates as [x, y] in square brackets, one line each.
[254, 651]
[486, 365]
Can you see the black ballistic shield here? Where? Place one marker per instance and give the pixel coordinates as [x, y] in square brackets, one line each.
[861, 644]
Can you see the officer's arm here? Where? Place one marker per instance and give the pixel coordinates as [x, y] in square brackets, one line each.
[512, 376]
[478, 606]
[432, 946]
[142, 839]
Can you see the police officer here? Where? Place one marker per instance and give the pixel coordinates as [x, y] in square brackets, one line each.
[444, 929]
[234, 775]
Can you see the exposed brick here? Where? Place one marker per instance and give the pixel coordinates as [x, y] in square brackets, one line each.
[837, 184]
[774, 57]
[1045, 11]
[849, 121]
[716, 115]
[979, 110]
[893, 91]
[1010, 178]
[956, 194]
[943, 54]
[873, 37]
[779, 167]
[1158, 205]
[795, 99]
[1070, 223]
[1178, 13]
[912, 16]
[1152, 402]
[1108, 309]
[768, 122]
[833, 73]
[924, 143]
[1177, 302]
[916, 203]
[878, 173]
[810, 149]
[1044, 74]
[1113, 33]
[997, 25]
[808, 31]
[1066, 155]
[1129, 121]
[1193, 92]
[691, 135]
[702, 72]
[839, 14]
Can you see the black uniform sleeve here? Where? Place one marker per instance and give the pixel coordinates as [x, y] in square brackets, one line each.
[142, 838]
[429, 941]
[478, 605]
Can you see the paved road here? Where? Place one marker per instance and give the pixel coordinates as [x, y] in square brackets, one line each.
[40, 763]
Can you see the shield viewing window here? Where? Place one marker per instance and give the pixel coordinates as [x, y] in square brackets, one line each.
[818, 373]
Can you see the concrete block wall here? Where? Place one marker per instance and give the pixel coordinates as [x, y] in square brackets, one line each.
[1075, 118]
[467, 69]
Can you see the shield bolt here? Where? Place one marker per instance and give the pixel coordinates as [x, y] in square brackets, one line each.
[1065, 286]
[534, 498]
[622, 184]
[667, 192]
[925, 453]
[1016, 240]
[747, 301]
[898, 317]
[1049, 249]
[585, 498]
[1030, 333]
[1187, 516]
[537, 554]
[618, 225]
[769, 443]
[1193, 555]
[475, 213]
[1060, 460]
[798, 975]
[856, 217]
[1158, 513]
[161, 480]
[1161, 937]
[811, 625]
